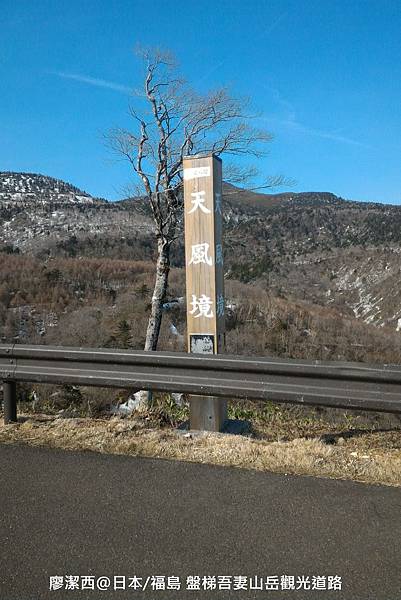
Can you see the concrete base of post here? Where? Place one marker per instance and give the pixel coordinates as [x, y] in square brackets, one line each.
[207, 413]
[10, 401]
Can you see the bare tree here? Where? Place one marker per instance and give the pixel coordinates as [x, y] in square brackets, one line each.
[173, 121]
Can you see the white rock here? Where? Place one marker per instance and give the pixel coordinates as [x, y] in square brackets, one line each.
[178, 398]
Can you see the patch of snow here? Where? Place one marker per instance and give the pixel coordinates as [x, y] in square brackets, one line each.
[127, 408]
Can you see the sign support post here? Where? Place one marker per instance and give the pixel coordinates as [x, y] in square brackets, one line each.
[204, 275]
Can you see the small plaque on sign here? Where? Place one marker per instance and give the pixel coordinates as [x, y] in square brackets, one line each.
[202, 343]
[196, 172]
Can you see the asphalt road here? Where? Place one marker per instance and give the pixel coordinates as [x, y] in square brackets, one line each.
[86, 514]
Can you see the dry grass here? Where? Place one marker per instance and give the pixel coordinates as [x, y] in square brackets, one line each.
[371, 457]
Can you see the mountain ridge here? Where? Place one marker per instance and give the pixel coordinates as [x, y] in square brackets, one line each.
[313, 246]
[19, 178]
[14, 185]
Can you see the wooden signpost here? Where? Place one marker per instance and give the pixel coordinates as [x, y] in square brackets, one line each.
[204, 275]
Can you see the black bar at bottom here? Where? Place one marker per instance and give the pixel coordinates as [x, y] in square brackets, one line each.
[10, 401]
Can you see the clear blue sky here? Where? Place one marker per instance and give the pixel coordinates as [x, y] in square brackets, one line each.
[326, 74]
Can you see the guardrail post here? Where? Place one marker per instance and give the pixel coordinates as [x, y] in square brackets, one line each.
[10, 401]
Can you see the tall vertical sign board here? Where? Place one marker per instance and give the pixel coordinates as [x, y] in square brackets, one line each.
[204, 275]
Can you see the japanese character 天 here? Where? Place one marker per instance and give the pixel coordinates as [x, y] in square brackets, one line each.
[217, 203]
[198, 202]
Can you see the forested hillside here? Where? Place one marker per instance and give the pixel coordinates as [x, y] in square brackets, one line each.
[307, 275]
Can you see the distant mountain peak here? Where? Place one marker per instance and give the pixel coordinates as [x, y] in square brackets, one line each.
[22, 188]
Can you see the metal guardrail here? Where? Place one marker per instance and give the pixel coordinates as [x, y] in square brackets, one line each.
[332, 384]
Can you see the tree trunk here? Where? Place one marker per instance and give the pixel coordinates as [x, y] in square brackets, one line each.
[155, 317]
[159, 294]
